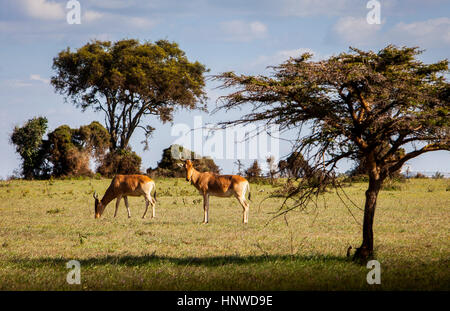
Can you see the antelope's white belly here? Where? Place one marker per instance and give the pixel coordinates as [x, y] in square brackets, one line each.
[227, 194]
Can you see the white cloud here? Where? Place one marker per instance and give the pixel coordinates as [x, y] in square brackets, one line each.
[112, 4]
[333, 7]
[429, 33]
[43, 9]
[91, 16]
[238, 30]
[140, 22]
[36, 77]
[101, 37]
[312, 7]
[117, 19]
[14, 83]
[354, 30]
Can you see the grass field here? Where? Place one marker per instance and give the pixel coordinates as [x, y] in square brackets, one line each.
[44, 224]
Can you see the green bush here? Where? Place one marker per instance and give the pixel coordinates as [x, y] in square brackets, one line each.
[357, 178]
[122, 161]
[173, 156]
[28, 142]
[392, 185]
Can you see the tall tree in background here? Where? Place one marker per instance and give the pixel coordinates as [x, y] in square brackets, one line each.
[28, 140]
[129, 81]
[359, 105]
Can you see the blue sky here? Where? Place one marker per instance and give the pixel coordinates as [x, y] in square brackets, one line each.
[243, 36]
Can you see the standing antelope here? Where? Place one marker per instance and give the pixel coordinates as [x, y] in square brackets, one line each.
[124, 186]
[218, 185]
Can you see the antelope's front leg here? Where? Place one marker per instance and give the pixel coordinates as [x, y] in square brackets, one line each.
[125, 198]
[117, 205]
[205, 208]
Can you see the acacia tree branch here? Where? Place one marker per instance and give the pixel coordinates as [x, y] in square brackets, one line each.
[430, 147]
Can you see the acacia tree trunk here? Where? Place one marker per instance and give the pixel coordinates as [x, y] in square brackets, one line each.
[365, 251]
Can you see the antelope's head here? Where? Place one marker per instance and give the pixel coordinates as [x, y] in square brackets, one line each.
[98, 206]
[189, 167]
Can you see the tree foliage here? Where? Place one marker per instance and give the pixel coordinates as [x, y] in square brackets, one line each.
[295, 166]
[172, 156]
[358, 105]
[254, 171]
[66, 151]
[69, 150]
[28, 141]
[122, 161]
[129, 81]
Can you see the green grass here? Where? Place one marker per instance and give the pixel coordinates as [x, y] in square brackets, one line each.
[44, 224]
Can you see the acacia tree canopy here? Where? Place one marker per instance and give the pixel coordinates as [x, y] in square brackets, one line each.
[128, 81]
[360, 105]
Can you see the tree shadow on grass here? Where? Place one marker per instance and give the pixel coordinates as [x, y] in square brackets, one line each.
[212, 261]
[320, 272]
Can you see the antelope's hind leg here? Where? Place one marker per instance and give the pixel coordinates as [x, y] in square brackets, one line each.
[153, 203]
[149, 200]
[245, 206]
[146, 207]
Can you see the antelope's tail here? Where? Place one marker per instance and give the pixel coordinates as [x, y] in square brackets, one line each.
[249, 194]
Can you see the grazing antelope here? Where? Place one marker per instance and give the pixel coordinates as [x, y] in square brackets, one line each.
[218, 185]
[124, 186]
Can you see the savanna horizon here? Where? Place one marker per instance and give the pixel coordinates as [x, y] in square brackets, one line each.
[44, 224]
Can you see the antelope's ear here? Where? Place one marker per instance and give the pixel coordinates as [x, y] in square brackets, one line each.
[180, 164]
[95, 195]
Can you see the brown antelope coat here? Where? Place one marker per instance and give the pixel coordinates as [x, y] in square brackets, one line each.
[124, 186]
[220, 186]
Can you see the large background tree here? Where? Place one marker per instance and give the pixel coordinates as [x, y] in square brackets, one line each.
[128, 81]
[359, 105]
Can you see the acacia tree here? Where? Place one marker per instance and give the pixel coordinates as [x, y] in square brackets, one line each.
[358, 105]
[128, 81]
